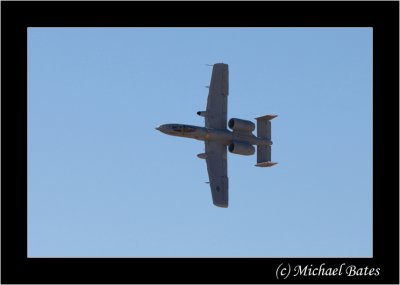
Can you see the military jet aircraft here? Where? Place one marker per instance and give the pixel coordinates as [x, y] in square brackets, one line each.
[218, 138]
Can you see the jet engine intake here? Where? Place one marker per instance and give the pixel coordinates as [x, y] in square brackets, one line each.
[241, 125]
[241, 148]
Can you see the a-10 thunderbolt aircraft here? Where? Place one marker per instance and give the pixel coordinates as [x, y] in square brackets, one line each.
[217, 137]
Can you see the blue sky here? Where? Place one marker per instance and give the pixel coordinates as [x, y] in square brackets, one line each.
[102, 182]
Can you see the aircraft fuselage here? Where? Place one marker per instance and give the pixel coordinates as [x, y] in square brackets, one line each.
[225, 136]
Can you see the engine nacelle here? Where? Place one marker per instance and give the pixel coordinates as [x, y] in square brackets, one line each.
[241, 125]
[241, 148]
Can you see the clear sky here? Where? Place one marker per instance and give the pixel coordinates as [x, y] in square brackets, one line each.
[102, 182]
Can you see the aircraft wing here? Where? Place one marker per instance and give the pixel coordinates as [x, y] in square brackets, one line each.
[217, 102]
[217, 172]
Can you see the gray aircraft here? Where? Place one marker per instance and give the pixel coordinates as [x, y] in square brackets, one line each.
[218, 138]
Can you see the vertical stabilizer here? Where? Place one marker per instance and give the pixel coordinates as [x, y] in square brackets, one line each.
[264, 132]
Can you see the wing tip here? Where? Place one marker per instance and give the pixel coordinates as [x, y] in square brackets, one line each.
[220, 64]
[221, 205]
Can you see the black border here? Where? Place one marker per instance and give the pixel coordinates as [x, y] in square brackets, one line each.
[17, 16]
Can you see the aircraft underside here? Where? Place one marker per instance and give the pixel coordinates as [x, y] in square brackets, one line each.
[218, 139]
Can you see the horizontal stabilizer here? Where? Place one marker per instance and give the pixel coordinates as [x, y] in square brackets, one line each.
[267, 117]
[264, 132]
